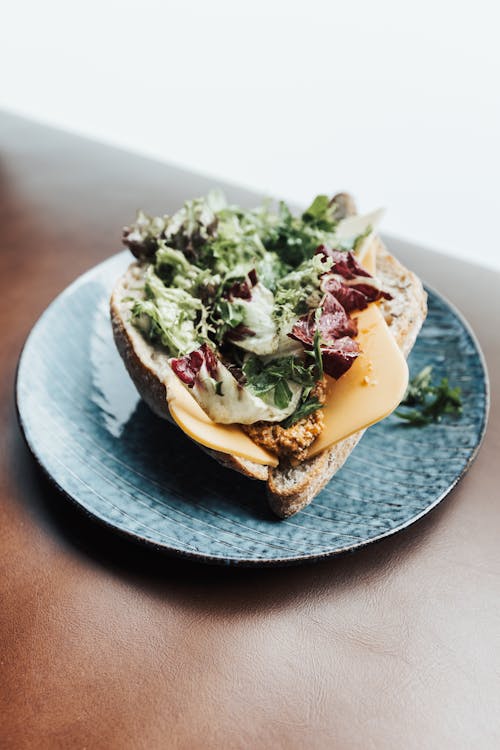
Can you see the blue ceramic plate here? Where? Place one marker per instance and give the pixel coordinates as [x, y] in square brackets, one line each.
[106, 451]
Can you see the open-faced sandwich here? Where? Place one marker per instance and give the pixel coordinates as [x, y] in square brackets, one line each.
[272, 340]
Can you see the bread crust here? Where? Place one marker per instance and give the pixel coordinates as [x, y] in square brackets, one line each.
[289, 489]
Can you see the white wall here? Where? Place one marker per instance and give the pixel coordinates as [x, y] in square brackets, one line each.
[397, 102]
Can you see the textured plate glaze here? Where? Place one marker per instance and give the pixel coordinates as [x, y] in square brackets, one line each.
[104, 449]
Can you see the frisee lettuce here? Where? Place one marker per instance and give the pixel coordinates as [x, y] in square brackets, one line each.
[171, 316]
[299, 290]
[143, 235]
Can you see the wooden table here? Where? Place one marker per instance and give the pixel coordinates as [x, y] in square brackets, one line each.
[106, 645]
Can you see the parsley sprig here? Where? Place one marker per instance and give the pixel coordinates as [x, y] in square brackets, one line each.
[306, 407]
[430, 401]
[295, 238]
[274, 376]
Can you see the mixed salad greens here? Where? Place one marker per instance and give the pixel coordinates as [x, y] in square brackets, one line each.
[238, 299]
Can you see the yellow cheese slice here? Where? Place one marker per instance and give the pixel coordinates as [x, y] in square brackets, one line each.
[375, 384]
[367, 393]
[227, 438]
[371, 389]
[368, 258]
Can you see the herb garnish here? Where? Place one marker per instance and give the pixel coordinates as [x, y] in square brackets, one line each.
[273, 376]
[295, 238]
[264, 377]
[431, 401]
[309, 403]
[303, 410]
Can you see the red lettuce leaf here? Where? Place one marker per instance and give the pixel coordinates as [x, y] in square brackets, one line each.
[242, 289]
[188, 367]
[344, 263]
[338, 349]
[339, 356]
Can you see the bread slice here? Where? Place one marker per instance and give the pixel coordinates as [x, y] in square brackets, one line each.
[291, 488]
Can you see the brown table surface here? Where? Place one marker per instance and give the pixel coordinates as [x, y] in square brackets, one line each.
[104, 644]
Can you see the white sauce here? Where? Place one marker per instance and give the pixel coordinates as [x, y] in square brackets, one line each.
[259, 318]
[237, 404]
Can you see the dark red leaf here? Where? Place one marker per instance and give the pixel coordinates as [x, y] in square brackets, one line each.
[333, 323]
[252, 275]
[243, 289]
[342, 296]
[211, 360]
[338, 348]
[239, 290]
[303, 330]
[339, 356]
[344, 263]
[187, 368]
[239, 332]
[372, 293]
[356, 294]
[349, 297]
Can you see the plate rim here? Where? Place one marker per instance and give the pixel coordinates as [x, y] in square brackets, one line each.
[251, 562]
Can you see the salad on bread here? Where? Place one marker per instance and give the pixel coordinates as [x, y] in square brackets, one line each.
[255, 311]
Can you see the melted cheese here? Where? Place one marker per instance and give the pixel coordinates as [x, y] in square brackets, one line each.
[368, 392]
[258, 312]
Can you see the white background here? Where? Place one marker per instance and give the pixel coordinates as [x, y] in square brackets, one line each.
[397, 102]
